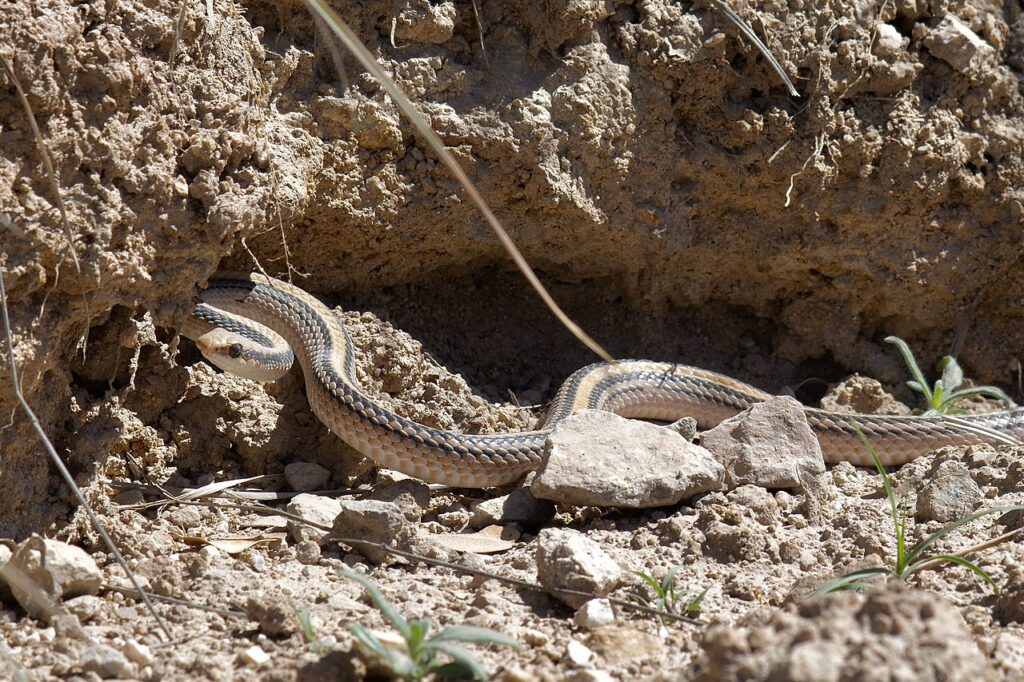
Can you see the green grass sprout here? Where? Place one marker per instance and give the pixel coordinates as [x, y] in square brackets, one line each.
[665, 596]
[912, 559]
[940, 397]
[421, 657]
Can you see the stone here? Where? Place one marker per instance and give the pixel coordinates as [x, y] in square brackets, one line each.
[567, 559]
[314, 508]
[600, 459]
[411, 496]
[254, 655]
[273, 612]
[955, 43]
[106, 662]
[382, 523]
[949, 494]
[305, 477]
[594, 614]
[60, 570]
[769, 444]
[5, 556]
[519, 506]
[138, 653]
[578, 654]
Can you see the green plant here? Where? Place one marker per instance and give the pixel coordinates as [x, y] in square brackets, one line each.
[909, 560]
[665, 596]
[940, 397]
[420, 657]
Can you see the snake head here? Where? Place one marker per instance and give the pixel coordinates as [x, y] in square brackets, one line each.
[236, 354]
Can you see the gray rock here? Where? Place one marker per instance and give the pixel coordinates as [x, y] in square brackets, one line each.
[105, 662]
[955, 43]
[5, 556]
[314, 508]
[385, 524]
[304, 477]
[60, 570]
[519, 506]
[769, 444]
[567, 559]
[411, 496]
[949, 494]
[598, 458]
[685, 427]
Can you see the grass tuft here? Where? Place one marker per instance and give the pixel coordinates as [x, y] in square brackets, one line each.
[666, 598]
[424, 654]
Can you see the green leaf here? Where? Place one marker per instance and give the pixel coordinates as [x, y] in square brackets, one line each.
[469, 633]
[397, 662]
[461, 657]
[380, 601]
[936, 400]
[669, 581]
[453, 670]
[949, 527]
[655, 585]
[952, 375]
[417, 633]
[990, 391]
[850, 581]
[915, 371]
[960, 561]
[693, 608]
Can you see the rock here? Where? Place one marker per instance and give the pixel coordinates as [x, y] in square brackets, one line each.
[85, 608]
[768, 444]
[949, 494]
[315, 508]
[912, 635]
[138, 652]
[304, 477]
[382, 523]
[567, 559]
[594, 614]
[955, 43]
[618, 644]
[519, 506]
[862, 395]
[60, 570]
[598, 458]
[411, 496]
[254, 655]
[1008, 654]
[578, 654]
[5, 556]
[106, 662]
[685, 427]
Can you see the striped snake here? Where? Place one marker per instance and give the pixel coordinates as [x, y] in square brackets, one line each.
[250, 324]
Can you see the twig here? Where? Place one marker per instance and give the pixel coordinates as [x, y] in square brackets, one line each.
[480, 33]
[59, 463]
[745, 29]
[359, 51]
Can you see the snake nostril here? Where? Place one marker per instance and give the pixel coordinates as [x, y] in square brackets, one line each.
[235, 350]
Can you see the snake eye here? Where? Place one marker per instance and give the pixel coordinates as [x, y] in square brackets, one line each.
[235, 350]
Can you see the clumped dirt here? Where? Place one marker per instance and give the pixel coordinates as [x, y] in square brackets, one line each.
[651, 166]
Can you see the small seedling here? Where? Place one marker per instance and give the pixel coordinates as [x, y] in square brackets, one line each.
[909, 560]
[666, 598]
[940, 397]
[420, 657]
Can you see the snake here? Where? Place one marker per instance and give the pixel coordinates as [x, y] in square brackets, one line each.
[256, 326]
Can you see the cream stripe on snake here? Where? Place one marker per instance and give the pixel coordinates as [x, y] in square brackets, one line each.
[631, 388]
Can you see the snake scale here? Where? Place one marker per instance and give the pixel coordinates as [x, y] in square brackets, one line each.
[251, 325]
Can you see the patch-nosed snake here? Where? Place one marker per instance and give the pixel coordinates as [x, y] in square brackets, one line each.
[250, 324]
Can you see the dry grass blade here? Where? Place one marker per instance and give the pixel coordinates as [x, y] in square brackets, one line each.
[58, 463]
[54, 187]
[359, 51]
[747, 31]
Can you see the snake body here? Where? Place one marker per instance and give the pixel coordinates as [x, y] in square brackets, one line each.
[250, 324]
